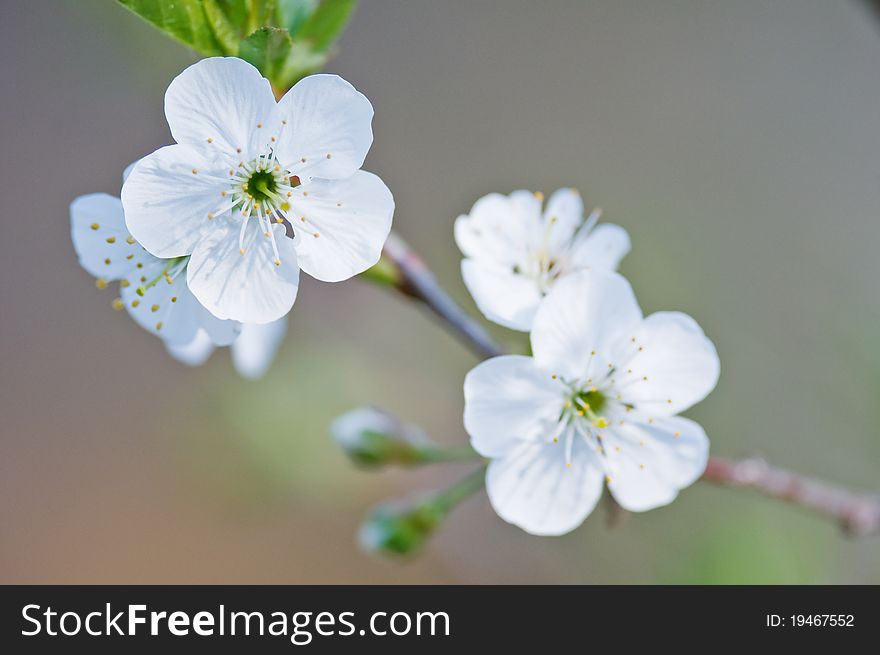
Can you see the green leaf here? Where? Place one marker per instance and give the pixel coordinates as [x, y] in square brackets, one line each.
[278, 58]
[184, 20]
[293, 13]
[222, 26]
[325, 25]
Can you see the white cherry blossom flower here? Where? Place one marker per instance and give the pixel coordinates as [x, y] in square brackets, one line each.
[152, 290]
[598, 402]
[252, 351]
[245, 172]
[515, 252]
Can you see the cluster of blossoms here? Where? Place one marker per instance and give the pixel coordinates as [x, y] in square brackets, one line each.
[210, 234]
[596, 404]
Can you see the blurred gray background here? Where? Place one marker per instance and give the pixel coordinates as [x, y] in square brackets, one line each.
[738, 143]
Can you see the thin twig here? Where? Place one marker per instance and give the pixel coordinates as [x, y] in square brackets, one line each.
[856, 513]
[418, 282]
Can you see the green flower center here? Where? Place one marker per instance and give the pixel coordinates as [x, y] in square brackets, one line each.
[262, 186]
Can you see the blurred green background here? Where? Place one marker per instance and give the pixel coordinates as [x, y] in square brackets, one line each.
[737, 142]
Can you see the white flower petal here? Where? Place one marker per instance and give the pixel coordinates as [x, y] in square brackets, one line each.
[649, 463]
[503, 296]
[500, 229]
[195, 352]
[249, 288]
[601, 249]
[221, 332]
[226, 100]
[347, 223]
[101, 239]
[507, 400]
[328, 130]
[254, 350]
[534, 489]
[167, 310]
[565, 210]
[167, 199]
[585, 312]
[678, 360]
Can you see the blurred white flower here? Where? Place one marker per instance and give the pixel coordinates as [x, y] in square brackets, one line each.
[597, 401]
[152, 290]
[515, 252]
[155, 294]
[243, 171]
[252, 351]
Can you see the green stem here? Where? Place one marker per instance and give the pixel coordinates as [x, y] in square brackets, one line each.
[461, 490]
[460, 453]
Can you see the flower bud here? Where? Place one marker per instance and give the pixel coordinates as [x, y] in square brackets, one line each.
[399, 529]
[371, 437]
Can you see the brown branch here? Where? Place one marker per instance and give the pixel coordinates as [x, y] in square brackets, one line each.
[856, 513]
[416, 281]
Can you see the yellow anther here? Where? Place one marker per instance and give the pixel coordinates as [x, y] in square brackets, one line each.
[259, 125]
[317, 234]
[107, 261]
[305, 194]
[210, 216]
[159, 325]
[140, 264]
[645, 378]
[195, 171]
[95, 226]
[154, 308]
[553, 376]
[135, 303]
[124, 283]
[130, 240]
[223, 194]
[607, 479]
[539, 196]
[101, 283]
[210, 140]
[277, 262]
[289, 194]
[642, 466]
[616, 449]
[600, 423]
[285, 206]
[677, 435]
[555, 439]
[140, 291]
[131, 256]
[118, 304]
[242, 251]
